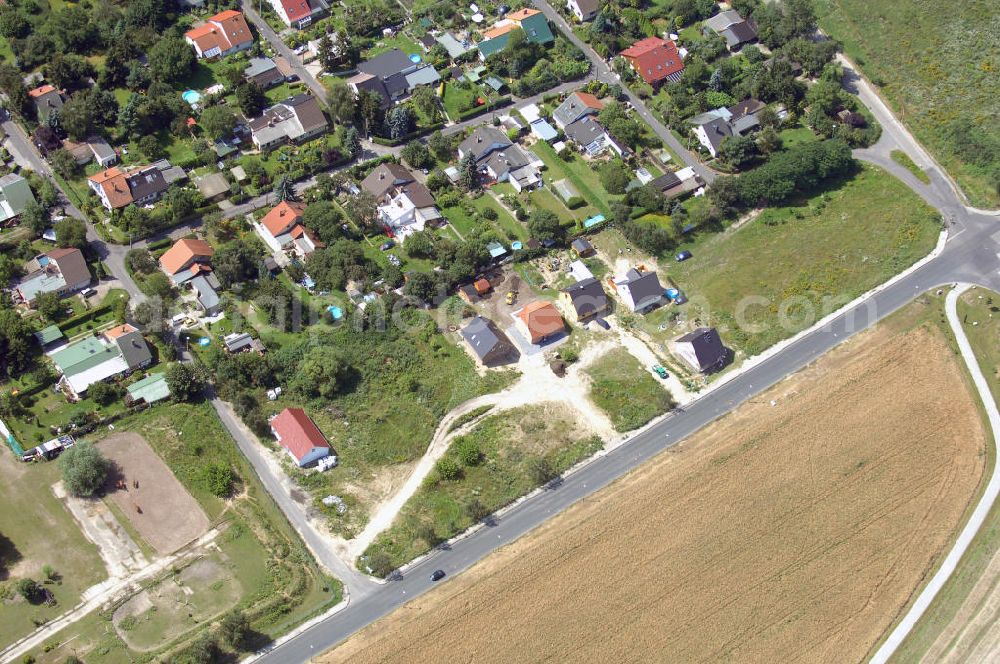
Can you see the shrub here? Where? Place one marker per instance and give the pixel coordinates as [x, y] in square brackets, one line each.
[468, 451]
[218, 478]
[448, 469]
[102, 393]
[28, 589]
[84, 469]
[575, 202]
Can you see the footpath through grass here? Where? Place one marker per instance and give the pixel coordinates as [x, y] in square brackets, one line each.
[506, 456]
[626, 392]
[788, 268]
[938, 64]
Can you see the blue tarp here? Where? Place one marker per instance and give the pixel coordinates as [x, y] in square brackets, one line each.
[593, 221]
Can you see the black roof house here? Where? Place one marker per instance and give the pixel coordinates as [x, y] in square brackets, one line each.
[702, 349]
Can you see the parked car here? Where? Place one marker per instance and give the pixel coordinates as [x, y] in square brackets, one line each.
[387, 245]
[603, 323]
[683, 256]
[437, 575]
[511, 296]
[660, 371]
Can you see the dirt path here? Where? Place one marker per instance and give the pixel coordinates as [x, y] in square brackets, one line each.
[792, 532]
[121, 555]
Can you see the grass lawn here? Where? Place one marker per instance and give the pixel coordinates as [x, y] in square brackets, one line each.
[518, 450]
[937, 63]
[284, 91]
[794, 264]
[904, 160]
[404, 380]
[546, 200]
[582, 174]
[626, 392]
[978, 309]
[38, 530]
[400, 40]
[457, 98]
[796, 135]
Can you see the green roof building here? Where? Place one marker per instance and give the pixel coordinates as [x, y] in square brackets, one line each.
[49, 335]
[531, 21]
[150, 389]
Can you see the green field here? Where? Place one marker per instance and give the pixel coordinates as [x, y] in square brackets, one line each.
[582, 174]
[938, 63]
[794, 264]
[519, 450]
[265, 568]
[904, 160]
[625, 391]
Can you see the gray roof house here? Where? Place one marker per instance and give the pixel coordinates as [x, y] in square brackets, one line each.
[263, 72]
[489, 344]
[205, 286]
[639, 290]
[392, 75]
[295, 119]
[384, 178]
[577, 105]
[103, 153]
[713, 127]
[591, 136]
[500, 159]
[586, 298]
[702, 349]
[15, 194]
[483, 141]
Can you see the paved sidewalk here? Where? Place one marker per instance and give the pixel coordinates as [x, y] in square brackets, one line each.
[975, 522]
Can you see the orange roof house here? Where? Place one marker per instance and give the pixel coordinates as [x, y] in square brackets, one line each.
[111, 185]
[119, 331]
[540, 321]
[226, 32]
[482, 286]
[281, 229]
[655, 60]
[186, 256]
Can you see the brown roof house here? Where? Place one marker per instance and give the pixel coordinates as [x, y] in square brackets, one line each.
[61, 271]
[296, 120]
[701, 349]
[586, 300]
[540, 321]
[488, 343]
[282, 230]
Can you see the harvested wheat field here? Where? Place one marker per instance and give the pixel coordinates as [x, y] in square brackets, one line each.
[786, 533]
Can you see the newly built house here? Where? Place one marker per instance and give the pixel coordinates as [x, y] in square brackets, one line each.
[490, 346]
[298, 434]
[639, 289]
[586, 300]
[702, 349]
[540, 321]
[656, 60]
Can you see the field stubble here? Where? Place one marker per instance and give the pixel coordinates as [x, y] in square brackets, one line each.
[792, 533]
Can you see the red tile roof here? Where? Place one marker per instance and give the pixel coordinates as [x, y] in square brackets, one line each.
[114, 184]
[542, 320]
[654, 59]
[297, 433]
[589, 100]
[282, 216]
[296, 9]
[119, 331]
[225, 30]
[178, 256]
[41, 90]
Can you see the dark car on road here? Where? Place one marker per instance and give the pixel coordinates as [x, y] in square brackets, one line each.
[683, 256]
[437, 575]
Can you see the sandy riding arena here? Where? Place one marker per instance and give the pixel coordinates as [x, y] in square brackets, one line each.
[792, 532]
[155, 502]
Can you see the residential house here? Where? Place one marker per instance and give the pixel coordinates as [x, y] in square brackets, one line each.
[95, 358]
[103, 153]
[577, 105]
[15, 194]
[405, 205]
[220, 35]
[468, 293]
[712, 128]
[299, 13]
[296, 119]
[582, 247]
[592, 137]
[488, 343]
[205, 286]
[456, 47]
[586, 299]
[299, 435]
[579, 271]
[639, 290]
[263, 72]
[46, 99]
[186, 259]
[702, 349]
[501, 160]
[655, 60]
[531, 21]
[584, 10]
[732, 27]
[149, 390]
[119, 188]
[50, 338]
[542, 130]
[539, 321]
[61, 271]
[674, 184]
[242, 342]
[281, 229]
[213, 186]
[392, 76]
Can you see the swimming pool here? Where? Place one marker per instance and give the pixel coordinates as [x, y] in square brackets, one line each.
[415, 58]
[335, 312]
[191, 96]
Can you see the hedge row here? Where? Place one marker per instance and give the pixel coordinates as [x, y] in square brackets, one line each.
[479, 110]
[423, 131]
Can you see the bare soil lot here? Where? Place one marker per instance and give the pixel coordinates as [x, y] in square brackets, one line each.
[159, 508]
[787, 533]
